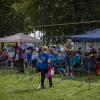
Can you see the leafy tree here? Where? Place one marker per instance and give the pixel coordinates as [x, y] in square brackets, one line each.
[10, 20]
[64, 11]
[24, 15]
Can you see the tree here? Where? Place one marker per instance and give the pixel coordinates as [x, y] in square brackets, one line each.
[10, 20]
[24, 15]
[64, 11]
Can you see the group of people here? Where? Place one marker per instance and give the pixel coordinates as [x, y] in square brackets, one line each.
[65, 61]
[18, 58]
[49, 60]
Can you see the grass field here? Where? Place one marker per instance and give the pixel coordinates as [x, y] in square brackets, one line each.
[24, 87]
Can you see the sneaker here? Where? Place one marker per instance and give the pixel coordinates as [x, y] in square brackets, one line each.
[42, 87]
[73, 77]
[50, 86]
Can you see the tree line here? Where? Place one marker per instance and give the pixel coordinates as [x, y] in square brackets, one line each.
[23, 15]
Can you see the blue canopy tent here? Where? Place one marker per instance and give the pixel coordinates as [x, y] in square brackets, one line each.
[90, 36]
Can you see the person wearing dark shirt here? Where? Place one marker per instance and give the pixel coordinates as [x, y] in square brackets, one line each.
[21, 61]
[29, 60]
[97, 69]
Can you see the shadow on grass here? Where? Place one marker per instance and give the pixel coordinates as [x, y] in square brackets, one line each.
[26, 91]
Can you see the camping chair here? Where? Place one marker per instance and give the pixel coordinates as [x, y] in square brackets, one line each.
[4, 61]
[89, 69]
[77, 67]
[60, 68]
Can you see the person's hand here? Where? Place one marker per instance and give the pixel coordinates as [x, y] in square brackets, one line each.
[49, 61]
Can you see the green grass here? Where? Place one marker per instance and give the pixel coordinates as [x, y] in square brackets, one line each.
[24, 87]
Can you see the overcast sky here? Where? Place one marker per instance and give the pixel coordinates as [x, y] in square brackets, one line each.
[37, 34]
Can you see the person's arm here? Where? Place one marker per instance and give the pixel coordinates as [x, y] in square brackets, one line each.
[49, 61]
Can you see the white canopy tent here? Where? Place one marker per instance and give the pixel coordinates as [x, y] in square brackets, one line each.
[20, 37]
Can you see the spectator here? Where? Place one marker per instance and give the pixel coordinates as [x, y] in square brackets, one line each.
[34, 58]
[11, 55]
[21, 61]
[29, 59]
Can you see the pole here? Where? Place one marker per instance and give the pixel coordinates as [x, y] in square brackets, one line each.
[89, 74]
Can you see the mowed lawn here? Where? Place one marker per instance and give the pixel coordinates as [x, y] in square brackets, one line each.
[24, 87]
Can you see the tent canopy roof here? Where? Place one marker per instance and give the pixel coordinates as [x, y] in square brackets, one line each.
[20, 37]
[93, 35]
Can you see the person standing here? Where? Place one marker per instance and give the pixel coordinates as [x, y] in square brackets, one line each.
[97, 68]
[68, 46]
[21, 61]
[29, 60]
[34, 58]
[45, 61]
[11, 55]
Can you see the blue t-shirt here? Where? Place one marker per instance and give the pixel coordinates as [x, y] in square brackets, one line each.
[44, 60]
[56, 60]
[52, 57]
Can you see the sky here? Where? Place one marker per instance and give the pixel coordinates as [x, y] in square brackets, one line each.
[36, 34]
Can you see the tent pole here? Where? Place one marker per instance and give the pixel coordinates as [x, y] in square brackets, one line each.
[2, 45]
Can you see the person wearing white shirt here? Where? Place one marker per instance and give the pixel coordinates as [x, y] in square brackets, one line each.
[34, 58]
[11, 55]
